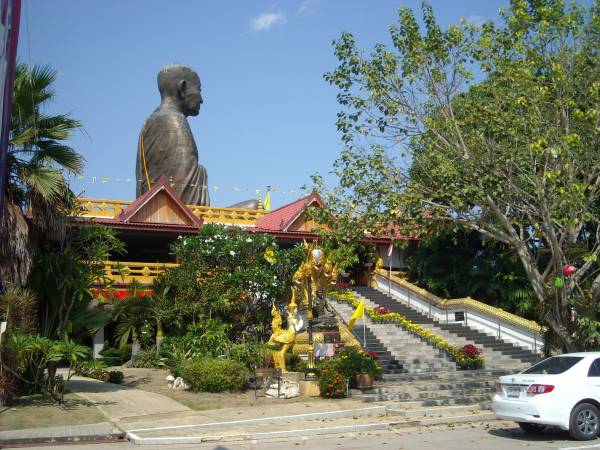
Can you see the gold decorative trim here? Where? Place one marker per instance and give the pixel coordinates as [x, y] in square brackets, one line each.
[105, 208]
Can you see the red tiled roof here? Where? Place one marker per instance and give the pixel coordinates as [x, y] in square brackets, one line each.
[141, 226]
[281, 218]
[162, 185]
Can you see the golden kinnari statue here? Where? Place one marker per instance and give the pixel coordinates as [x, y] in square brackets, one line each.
[319, 274]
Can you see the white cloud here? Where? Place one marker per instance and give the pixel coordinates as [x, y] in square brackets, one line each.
[266, 20]
[308, 7]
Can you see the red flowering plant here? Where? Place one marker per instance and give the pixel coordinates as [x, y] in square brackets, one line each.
[470, 357]
[381, 310]
[332, 382]
[373, 355]
[471, 351]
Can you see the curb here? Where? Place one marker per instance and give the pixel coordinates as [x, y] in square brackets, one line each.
[259, 436]
[361, 412]
[63, 435]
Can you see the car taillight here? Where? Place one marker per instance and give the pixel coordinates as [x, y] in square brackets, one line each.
[498, 388]
[540, 389]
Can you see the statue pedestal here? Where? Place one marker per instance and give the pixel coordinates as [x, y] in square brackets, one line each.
[309, 388]
[293, 376]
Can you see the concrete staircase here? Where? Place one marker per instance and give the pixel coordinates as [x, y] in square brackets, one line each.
[386, 360]
[414, 391]
[410, 353]
[496, 352]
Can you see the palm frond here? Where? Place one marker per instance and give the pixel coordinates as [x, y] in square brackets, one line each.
[45, 181]
[61, 155]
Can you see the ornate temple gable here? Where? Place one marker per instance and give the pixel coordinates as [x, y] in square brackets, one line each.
[159, 205]
[290, 217]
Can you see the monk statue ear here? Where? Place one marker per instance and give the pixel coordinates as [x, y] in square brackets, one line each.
[181, 87]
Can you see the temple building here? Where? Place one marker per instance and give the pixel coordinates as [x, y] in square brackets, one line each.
[149, 225]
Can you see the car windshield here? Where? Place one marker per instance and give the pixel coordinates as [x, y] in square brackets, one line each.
[554, 365]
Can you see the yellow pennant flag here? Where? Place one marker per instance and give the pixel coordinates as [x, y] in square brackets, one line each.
[268, 201]
[360, 312]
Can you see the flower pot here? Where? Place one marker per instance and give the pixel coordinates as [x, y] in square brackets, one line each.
[364, 380]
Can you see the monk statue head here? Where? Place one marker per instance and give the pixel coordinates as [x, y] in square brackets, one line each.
[179, 88]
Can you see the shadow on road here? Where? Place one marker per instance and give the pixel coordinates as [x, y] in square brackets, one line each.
[515, 433]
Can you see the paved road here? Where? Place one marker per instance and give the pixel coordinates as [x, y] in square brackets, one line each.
[489, 436]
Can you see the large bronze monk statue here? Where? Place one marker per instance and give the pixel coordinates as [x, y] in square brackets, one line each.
[166, 145]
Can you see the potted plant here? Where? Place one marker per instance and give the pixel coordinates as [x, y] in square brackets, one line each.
[369, 368]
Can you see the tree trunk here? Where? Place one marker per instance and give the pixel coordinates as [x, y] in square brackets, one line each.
[560, 332]
[15, 246]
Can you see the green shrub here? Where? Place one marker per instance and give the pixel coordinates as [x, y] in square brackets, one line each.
[96, 369]
[251, 355]
[148, 359]
[116, 356]
[214, 375]
[91, 369]
[115, 377]
[332, 381]
[353, 361]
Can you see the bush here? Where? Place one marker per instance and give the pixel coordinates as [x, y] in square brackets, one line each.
[353, 361]
[96, 369]
[469, 358]
[115, 377]
[332, 381]
[214, 375]
[91, 369]
[251, 355]
[148, 359]
[116, 356]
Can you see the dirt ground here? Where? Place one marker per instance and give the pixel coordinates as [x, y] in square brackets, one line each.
[153, 380]
[38, 411]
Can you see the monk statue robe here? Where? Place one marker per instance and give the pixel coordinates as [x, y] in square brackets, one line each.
[166, 145]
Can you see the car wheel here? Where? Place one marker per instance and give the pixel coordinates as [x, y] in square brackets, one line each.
[532, 427]
[584, 422]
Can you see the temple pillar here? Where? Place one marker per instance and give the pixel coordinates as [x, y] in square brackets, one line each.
[98, 343]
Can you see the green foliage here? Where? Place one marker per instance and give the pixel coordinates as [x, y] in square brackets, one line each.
[97, 369]
[62, 276]
[252, 355]
[461, 264]
[115, 376]
[333, 383]
[37, 158]
[36, 359]
[149, 359]
[214, 375]
[18, 308]
[353, 361]
[224, 275]
[115, 356]
[513, 157]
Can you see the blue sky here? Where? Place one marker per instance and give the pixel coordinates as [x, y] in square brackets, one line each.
[268, 116]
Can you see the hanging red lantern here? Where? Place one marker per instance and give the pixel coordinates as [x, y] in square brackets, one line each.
[569, 270]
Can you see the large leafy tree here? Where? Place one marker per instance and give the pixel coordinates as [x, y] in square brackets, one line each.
[227, 275]
[37, 161]
[492, 129]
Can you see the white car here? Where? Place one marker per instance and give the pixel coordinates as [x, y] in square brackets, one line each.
[562, 390]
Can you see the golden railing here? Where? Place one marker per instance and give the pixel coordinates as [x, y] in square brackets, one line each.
[91, 207]
[467, 302]
[237, 216]
[127, 272]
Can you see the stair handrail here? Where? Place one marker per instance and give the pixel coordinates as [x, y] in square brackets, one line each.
[465, 302]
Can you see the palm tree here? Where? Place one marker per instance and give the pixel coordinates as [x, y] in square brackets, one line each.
[36, 164]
